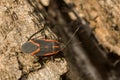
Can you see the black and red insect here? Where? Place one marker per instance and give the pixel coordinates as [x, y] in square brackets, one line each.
[42, 47]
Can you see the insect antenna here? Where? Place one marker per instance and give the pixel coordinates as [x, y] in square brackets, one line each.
[72, 37]
[36, 33]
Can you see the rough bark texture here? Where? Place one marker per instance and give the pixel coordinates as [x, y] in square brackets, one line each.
[92, 60]
[92, 54]
[103, 17]
[19, 20]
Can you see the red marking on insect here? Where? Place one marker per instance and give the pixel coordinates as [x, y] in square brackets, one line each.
[42, 47]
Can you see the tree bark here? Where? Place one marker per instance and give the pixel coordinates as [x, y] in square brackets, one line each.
[92, 53]
[18, 21]
[99, 57]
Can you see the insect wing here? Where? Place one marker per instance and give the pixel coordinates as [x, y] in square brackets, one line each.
[48, 47]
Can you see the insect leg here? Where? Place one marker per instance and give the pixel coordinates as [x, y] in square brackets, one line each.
[39, 60]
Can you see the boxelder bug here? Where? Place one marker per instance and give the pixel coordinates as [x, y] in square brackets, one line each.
[43, 47]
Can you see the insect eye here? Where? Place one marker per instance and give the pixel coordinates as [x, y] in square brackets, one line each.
[28, 47]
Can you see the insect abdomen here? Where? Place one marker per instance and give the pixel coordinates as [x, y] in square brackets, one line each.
[48, 47]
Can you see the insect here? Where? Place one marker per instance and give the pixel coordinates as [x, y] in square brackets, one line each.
[44, 47]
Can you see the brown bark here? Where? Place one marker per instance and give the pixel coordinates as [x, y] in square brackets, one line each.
[103, 17]
[92, 54]
[19, 20]
[99, 62]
